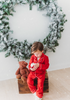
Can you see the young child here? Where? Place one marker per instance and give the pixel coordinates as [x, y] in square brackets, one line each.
[38, 64]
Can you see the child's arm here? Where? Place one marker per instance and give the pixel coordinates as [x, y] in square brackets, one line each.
[31, 61]
[36, 65]
[46, 65]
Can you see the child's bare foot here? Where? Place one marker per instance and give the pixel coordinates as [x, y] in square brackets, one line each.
[34, 94]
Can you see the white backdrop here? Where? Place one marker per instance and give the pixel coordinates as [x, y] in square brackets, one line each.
[32, 25]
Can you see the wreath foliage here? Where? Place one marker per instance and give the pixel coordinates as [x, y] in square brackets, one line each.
[22, 50]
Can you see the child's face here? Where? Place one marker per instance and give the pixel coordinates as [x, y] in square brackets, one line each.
[38, 53]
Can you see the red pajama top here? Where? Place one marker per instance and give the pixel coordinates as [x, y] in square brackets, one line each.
[43, 64]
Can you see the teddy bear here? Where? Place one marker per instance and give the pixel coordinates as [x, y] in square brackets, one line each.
[22, 72]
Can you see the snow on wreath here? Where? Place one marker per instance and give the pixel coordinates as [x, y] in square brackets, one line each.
[22, 50]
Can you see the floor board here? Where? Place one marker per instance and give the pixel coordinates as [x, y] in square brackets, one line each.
[59, 87]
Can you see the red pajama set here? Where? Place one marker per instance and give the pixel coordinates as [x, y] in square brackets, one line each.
[39, 73]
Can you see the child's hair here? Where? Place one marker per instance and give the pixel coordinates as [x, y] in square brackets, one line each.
[36, 46]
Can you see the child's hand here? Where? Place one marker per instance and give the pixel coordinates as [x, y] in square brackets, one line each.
[32, 65]
[36, 65]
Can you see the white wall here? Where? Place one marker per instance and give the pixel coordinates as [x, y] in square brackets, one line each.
[37, 29]
[61, 59]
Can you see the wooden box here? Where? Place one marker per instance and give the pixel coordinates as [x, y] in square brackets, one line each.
[23, 87]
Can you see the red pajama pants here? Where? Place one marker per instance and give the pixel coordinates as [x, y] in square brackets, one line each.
[40, 84]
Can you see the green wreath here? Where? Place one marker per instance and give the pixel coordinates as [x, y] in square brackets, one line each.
[22, 50]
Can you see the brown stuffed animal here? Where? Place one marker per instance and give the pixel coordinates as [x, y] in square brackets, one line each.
[22, 71]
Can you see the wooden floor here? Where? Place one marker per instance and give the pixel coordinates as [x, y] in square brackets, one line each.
[59, 87]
